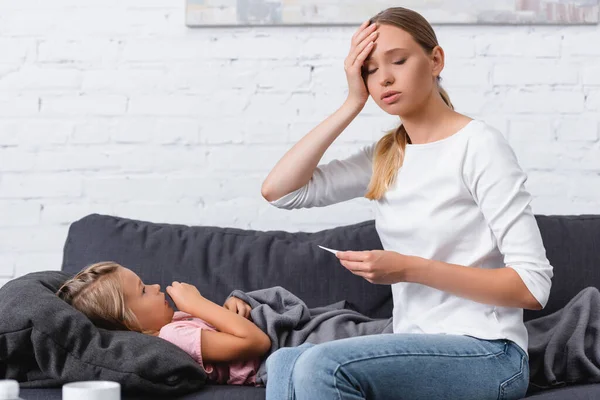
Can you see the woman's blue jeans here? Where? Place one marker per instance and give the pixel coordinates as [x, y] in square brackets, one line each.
[399, 366]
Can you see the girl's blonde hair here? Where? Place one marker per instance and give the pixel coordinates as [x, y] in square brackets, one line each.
[389, 151]
[97, 292]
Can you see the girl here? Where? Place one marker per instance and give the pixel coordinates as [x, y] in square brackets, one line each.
[463, 252]
[226, 344]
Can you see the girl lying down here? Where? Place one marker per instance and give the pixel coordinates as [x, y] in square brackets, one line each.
[226, 344]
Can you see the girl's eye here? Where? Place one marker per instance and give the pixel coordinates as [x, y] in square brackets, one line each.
[370, 71]
[400, 62]
[144, 290]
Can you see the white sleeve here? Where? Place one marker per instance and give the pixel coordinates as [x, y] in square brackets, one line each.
[334, 182]
[497, 183]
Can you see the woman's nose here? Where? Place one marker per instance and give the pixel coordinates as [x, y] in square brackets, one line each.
[387, 81]
[157, 286]
[386, 78]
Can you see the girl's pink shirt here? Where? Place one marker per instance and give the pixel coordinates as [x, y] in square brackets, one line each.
[184, 332]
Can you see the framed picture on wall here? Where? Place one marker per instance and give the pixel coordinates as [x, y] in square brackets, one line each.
[353, 12]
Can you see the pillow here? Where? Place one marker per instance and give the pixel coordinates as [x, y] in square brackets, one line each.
[45, 342]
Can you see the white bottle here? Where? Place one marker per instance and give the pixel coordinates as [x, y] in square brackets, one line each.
[9, 390]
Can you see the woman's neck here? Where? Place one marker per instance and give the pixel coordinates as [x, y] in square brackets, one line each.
[434, 121]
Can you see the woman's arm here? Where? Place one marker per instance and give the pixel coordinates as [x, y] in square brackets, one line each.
[296, 167]
[237, 338]
[497, 184]
[501, 286]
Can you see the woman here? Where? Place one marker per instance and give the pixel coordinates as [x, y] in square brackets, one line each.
[463, 253]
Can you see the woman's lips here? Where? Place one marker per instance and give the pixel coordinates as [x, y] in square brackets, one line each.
[391, 99]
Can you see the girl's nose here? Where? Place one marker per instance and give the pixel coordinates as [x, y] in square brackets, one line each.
[157, 287]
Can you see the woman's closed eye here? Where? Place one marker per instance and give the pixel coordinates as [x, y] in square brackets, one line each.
[373, 70]
[144, 290]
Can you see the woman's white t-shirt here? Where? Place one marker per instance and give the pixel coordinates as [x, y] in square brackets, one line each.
[460, 200]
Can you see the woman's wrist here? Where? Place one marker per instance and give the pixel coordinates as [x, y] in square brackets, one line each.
[415, 270]
[353, 106]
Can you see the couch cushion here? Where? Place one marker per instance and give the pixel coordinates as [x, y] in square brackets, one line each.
[579, 392]
[213, 392]
[45, 342]
[219, 260]
[209, 392]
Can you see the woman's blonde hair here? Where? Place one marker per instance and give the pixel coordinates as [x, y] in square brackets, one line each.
[389, 151]
[97, 292]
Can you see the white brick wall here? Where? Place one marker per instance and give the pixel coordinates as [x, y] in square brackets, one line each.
[114, 106]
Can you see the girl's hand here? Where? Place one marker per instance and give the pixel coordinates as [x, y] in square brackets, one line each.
[184, 296]
[238, 306]
[377, 266]
[360, 48]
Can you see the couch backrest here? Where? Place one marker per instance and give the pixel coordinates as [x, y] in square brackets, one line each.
[219, 260]
[573, 248]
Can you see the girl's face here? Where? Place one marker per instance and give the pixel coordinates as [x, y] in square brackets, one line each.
[147, 302]
[399, 74]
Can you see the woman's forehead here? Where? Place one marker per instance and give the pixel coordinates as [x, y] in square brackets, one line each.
[392, 40]
[394, 34]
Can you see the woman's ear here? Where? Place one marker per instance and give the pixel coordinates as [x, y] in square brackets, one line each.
[437, 61]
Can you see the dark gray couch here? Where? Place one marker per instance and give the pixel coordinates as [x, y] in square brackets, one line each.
[219, 260]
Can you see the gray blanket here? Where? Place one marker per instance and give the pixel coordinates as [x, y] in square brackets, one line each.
[564, 347]
[289, 322]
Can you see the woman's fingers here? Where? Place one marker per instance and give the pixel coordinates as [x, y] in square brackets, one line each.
[354, 255]
[359, 30]
[356, 267]
[365, 45]
[362, 56]
[362, 33]
[360, 39]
